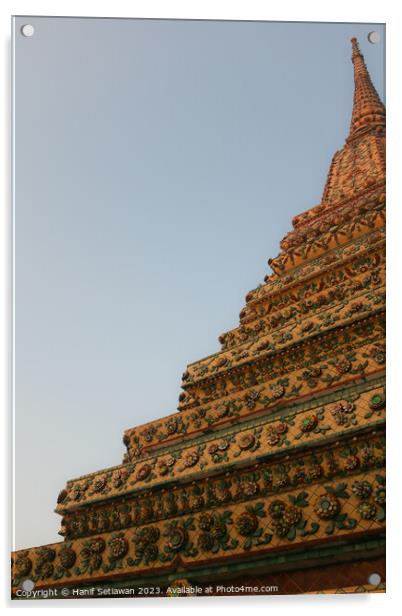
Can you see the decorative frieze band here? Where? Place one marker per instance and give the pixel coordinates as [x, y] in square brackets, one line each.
[361, 451]
[272, 383]
[236, 447]
[316, 514]
[315, 315]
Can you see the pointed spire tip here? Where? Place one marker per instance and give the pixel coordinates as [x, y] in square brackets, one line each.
[355, 47]
[368, 109]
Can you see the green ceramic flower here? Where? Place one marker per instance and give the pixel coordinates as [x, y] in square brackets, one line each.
[327, 506]
[205, 541]
[277, 509]
[367, 510]
[362, 489]
[246, 524]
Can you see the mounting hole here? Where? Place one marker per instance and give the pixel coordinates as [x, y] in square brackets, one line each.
[374, 579]
[27, 30]
[373, 37]
[28, 585]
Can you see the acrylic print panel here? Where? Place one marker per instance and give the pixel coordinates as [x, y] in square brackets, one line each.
[158, 165]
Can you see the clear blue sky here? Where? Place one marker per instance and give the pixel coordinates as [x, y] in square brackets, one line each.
[158, 165]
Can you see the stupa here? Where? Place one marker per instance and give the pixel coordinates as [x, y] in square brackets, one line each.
[270, 478]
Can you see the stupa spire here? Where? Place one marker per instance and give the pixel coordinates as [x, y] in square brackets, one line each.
[368, 109]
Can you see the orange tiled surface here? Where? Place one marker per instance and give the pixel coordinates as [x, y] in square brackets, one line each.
[349, 577]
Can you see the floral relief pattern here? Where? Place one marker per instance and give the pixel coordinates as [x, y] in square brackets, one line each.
[260, 524]
[278, 433]
[330, 372]
[267, 479]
